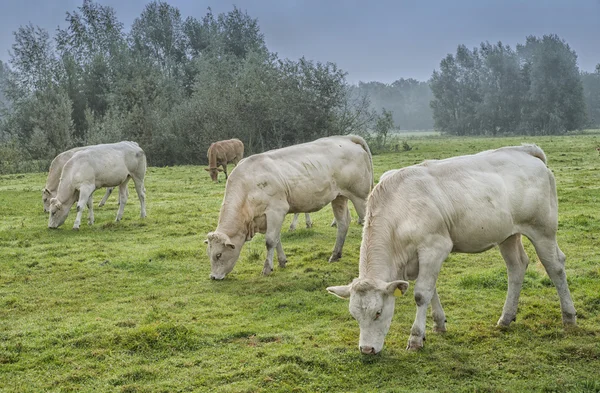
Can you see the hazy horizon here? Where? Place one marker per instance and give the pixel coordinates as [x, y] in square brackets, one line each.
[383, 41]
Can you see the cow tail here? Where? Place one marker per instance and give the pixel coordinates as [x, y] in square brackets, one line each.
[535, 151]
[360, 141]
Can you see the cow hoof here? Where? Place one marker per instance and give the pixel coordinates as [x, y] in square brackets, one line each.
[308, 226]
[282, 263]
[335, 257]
[439, 329]
[266, 271]
[414, 343]
[505, 322]
[292, 229]
[75, 228]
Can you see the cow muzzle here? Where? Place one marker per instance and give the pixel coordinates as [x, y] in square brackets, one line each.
[216, 276]
[367, 350]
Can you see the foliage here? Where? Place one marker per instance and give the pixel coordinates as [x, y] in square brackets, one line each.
[591, 92]
[383, 126]
[128, 306]
[407, 99]
[173, 85]
[494, 89]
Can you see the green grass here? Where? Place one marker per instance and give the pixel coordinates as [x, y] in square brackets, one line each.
[128, 306]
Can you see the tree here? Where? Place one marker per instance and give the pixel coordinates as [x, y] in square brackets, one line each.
[383, 126]
[591, 92]
[554, 102]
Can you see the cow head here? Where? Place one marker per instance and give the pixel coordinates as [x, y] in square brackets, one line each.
[372, 304]
[214, 173]
[46, 196]
[58, 213]
[223, 253]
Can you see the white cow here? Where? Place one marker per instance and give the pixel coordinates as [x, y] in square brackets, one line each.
[108, 165]
[418, 215]
[53, 179]
[303, 178]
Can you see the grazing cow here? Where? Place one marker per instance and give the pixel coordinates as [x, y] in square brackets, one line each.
[108, 165]
[53, 179]
[303, 178]
[221, 153]
[418, 215]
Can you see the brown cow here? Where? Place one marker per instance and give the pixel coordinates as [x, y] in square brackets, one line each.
[221, 153]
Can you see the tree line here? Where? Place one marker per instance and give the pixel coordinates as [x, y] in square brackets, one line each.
[176, 84]
[536, 89]
[172, 84]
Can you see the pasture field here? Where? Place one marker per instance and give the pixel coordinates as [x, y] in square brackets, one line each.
[129, 307]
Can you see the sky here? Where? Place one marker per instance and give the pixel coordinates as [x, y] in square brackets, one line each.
[376, 40]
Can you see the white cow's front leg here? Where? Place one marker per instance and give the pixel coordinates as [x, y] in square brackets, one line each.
[437, 312]
[274, 223]
[85, 194]
[281, 258]
[430, 262]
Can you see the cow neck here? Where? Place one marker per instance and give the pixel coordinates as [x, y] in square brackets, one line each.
[212, 156]
[235, 217]
[65, 189]
[378, 257]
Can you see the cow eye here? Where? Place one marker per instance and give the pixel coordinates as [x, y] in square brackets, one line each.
[218, 255]
[377, 315]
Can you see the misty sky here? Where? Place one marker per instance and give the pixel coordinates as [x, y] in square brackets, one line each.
[381, 40]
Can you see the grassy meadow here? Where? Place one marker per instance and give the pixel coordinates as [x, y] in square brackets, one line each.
[129, 307]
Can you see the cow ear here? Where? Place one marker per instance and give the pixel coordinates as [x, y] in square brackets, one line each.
[46, 191]
[230, 245]
[398, 288]
[207, 169]
[342, 291]
[206, 241]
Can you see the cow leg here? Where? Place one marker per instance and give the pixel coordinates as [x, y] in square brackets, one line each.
[225, 170]
[553, 260]
[138, 181]
[360, 205]
[90, 205]
[516, 263]
[308, 220]
[109, 190]
[294, 222]
[437, 312]
[342, 217]
[123, 194]
[274, 224]
[281, 258]
[430, 262]
[85, 194]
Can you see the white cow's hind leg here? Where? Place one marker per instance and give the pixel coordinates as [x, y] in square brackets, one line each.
[294, 222]
[516, 263]
[85, 194]
[90, 205]
[553, 260]
[274, 224]
[360, 205]
[141, 191]
[109, 190]
[308, 220]
[123, 194]
[342, 217]
[430, 262]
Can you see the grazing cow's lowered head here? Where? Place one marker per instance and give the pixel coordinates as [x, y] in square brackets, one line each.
[372, 304]
[46, 196]
[223, 253]
[214, 173]
[58, 213]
